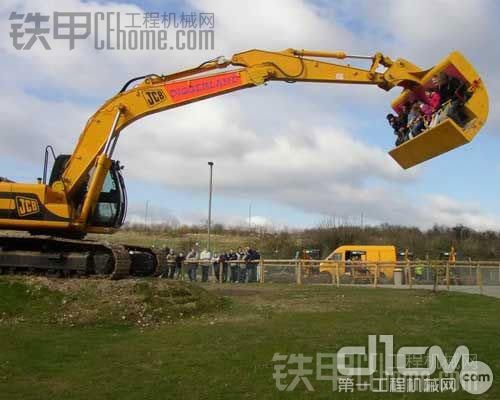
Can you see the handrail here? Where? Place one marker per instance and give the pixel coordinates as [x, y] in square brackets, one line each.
[46, 161]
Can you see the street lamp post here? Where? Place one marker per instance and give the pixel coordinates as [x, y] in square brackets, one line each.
[211, 164]
[250, 217]
[146, 216]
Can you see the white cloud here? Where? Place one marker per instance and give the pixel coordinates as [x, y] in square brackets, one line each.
[451, 212]
[273, 25]
[30, 123]
[154, 214]
[150, 213]
[247, 157]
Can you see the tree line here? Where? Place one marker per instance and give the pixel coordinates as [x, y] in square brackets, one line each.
[284, 243]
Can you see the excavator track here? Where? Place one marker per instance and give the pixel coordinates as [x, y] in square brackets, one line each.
[122, 260]
[45, 255]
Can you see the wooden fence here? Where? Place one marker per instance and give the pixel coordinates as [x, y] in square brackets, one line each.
[399, 273]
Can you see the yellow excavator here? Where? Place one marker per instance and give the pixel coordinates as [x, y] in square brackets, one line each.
[85, 191]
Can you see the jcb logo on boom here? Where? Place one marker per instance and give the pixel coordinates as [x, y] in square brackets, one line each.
[26, 206]
[154, 97]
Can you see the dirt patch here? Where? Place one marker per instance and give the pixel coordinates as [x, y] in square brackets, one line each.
[142, 302]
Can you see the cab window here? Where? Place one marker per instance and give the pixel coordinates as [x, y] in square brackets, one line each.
[110, 209]
[355, 255]
[109, 184]
[336, 257]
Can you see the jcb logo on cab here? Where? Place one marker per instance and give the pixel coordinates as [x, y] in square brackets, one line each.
[26, 206]
[153, 97]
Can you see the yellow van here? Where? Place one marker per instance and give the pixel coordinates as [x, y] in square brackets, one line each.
[354, 261]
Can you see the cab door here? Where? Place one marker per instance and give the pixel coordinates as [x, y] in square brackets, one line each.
[111, 208]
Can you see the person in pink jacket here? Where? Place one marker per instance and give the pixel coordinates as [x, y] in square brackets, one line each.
[433, 98]
[432, 103]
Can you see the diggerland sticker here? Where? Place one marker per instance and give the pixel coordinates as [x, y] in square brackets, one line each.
[200, 87]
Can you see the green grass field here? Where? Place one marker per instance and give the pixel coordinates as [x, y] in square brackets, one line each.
[62, 340]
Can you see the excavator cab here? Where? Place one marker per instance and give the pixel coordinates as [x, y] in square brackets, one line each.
[449, 133]
[110, 210]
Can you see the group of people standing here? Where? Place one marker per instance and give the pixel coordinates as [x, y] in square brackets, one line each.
[447, 95]
[229, 266]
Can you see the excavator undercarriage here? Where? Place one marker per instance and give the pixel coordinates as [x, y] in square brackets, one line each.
[45, 255]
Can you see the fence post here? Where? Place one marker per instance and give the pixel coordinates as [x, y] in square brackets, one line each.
[298, 273]
[447, 276]
[408, 267]
[435, 268]
[479, 278]
[375, 280]
[261, 266]
[427, 266]
[470, 271]
[337, 274]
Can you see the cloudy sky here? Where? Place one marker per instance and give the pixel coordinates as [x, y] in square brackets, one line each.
[298, 153]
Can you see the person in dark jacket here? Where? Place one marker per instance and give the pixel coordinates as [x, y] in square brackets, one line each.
[453, 93]
[251, 258]
[223, 261]
[403, 115]
[242, 267]
[179, 261]
[235, 269]
[449, 87]
[399, 130]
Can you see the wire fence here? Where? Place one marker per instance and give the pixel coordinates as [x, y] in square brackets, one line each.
[438, 273]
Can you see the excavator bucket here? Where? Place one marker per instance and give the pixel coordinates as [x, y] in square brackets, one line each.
[450, 132]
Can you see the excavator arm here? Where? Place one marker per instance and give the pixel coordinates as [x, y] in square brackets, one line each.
[251, 68]
[159, 93]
